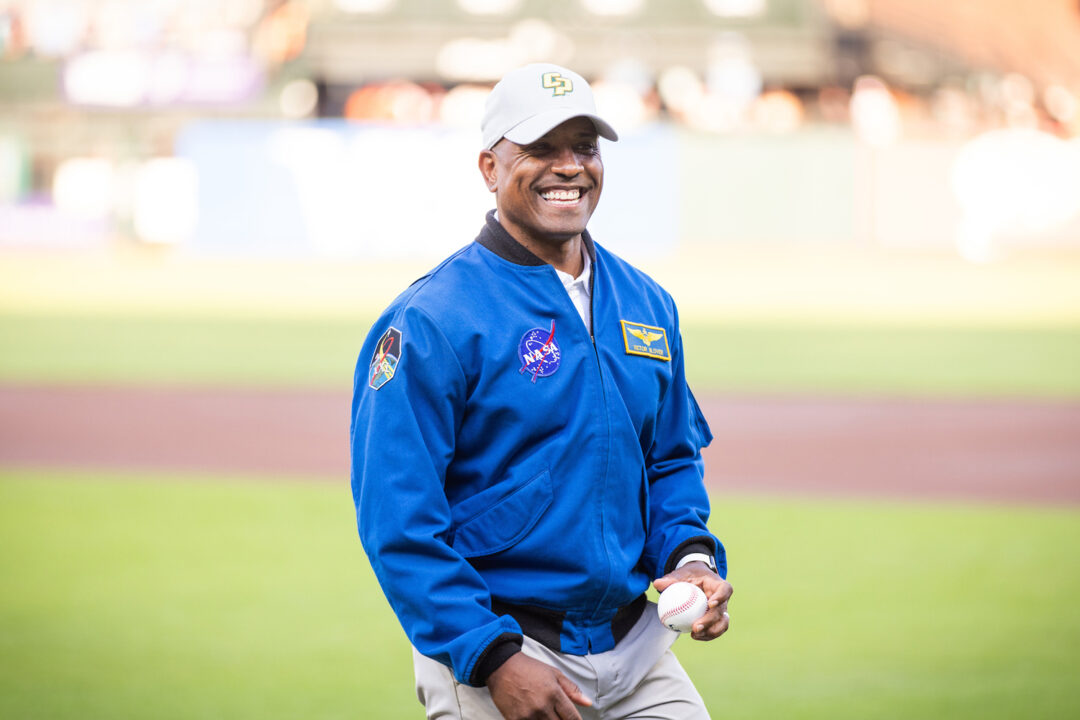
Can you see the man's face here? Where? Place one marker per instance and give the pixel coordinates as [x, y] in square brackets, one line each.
[546, 191]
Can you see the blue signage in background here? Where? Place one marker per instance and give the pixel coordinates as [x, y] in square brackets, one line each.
[638, 214]
[338, 189]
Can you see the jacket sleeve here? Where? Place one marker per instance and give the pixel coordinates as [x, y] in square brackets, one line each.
[678, 501]
[402, 440]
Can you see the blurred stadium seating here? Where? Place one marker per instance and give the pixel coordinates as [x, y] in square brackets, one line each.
[268, 126]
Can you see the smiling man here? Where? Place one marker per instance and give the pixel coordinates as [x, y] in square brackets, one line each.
[526, 454]
[547, 188]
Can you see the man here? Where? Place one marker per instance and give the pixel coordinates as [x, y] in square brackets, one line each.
[526, 452]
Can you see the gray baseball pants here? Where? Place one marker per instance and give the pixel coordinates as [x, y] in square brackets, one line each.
[640, 679]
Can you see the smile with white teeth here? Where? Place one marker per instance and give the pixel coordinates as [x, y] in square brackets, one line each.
[562, 195]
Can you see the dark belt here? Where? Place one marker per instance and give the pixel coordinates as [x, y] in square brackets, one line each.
[545, 626]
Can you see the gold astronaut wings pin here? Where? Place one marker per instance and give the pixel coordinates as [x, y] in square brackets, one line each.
[645, 340]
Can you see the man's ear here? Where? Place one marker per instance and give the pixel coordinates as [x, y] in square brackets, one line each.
[488, 169]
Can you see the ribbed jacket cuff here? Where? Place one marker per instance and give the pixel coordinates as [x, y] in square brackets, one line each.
[699, 544]
[499, 651]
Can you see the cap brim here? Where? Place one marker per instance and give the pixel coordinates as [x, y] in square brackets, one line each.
[537, 126]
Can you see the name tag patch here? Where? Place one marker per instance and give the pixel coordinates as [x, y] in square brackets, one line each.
[645, 340]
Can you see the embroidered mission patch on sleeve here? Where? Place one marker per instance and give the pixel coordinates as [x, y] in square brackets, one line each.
[645, 340]
[385, 360]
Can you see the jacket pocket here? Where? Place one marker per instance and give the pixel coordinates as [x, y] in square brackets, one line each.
[505, 523]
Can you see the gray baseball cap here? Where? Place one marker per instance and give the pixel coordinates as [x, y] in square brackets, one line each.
[530, 101]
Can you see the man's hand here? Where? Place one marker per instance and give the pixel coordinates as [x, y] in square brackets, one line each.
[715, 621]
[526, 688]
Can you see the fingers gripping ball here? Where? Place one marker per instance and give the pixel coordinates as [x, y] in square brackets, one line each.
[680, 605]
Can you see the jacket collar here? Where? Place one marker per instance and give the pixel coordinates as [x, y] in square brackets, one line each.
[495, 238]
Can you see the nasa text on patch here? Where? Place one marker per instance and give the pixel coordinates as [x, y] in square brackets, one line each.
[645, 340]
[384, 361]
[539, 352]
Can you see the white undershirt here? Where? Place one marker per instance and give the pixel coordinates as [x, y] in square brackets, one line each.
[578, 288]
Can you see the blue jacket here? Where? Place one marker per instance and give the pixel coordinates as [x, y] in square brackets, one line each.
[510, 472]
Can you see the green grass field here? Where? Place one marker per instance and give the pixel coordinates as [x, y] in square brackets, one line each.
[832, 357]
[220, 597]
[157, 596]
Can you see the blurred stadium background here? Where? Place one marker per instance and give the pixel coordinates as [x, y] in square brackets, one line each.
[258, 128]
[868, 211]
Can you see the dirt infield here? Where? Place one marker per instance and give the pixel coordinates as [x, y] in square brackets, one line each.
[1026, 451]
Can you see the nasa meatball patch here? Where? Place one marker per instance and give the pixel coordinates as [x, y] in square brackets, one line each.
[385, 360]
[539, 352]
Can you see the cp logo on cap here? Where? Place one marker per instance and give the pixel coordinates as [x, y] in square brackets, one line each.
[558, 84]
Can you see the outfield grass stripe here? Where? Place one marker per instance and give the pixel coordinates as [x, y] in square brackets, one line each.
[1020, 361]
[211, 597]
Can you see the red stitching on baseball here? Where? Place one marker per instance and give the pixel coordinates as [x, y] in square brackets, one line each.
[687, 604]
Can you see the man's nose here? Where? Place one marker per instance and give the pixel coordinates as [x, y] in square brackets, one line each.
[567, 162]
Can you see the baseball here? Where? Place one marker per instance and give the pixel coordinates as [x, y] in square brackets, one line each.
[680, 605]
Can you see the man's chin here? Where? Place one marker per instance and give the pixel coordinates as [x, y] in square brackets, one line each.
[565, 225]
[562, 234]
